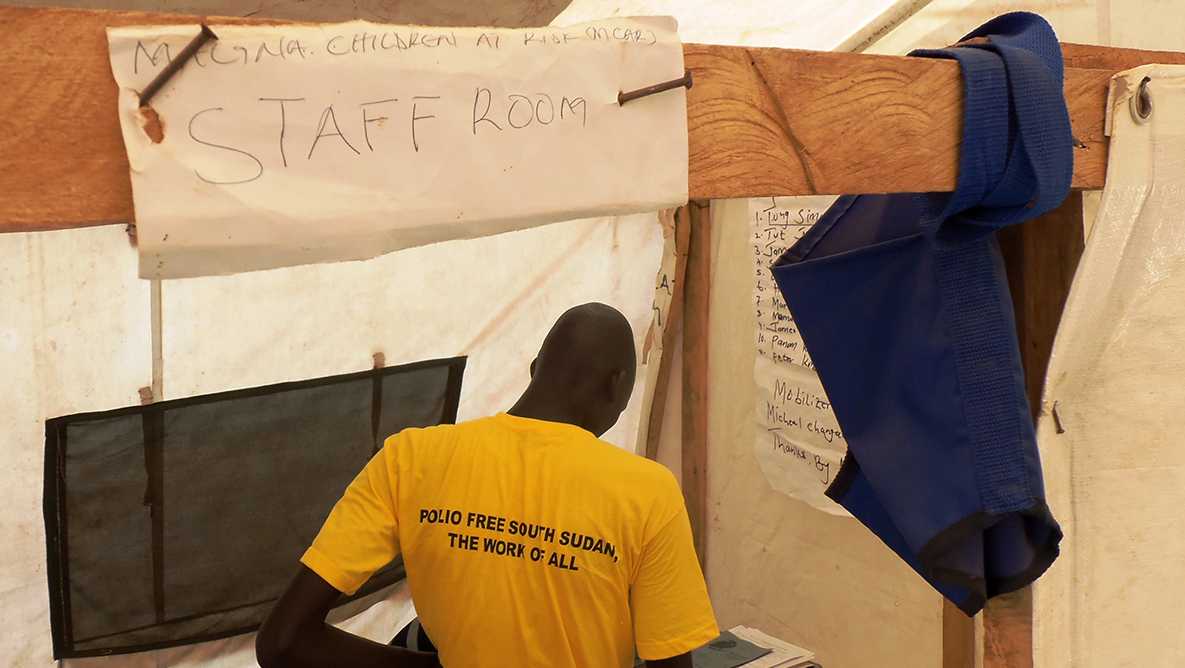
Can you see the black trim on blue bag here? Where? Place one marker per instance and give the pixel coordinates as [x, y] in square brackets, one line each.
[976, 597]
[979, 589]
[1045, 554]
[839, 487]
[976, 524]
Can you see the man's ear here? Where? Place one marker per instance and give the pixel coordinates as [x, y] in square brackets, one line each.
[617, 386]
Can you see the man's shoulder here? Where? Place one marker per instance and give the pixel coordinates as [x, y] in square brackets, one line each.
[593, 456]
[440, 431]
[432, 438]
[633, 467]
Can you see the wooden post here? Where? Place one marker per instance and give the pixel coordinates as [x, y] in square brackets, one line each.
[1041, 257]
[662, 383]
[958, 637]
[696, 293]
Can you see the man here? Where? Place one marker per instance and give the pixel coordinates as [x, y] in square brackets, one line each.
[528, 541]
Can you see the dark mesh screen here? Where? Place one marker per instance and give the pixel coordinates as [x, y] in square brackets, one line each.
[182, 521]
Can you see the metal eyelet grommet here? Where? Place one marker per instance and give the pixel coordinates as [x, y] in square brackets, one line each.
[1141, 103]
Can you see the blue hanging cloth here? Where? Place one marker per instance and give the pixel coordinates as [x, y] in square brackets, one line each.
[903, 303]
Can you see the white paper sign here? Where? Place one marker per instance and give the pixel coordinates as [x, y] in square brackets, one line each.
[799, 444]
[291, 144]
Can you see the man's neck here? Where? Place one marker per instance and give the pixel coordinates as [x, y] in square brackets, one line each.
[536, 407]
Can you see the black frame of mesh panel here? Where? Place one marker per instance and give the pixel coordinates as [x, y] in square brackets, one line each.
[53, 503]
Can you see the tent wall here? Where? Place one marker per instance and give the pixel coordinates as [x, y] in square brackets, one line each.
[73, 326]
[1116, 368]
[804, 24]
[1102, 22]
[490, 298]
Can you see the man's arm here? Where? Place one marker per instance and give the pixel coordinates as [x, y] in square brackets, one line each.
[681, 661]
[295, 634]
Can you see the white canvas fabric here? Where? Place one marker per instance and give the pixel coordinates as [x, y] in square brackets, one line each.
[1113, 412]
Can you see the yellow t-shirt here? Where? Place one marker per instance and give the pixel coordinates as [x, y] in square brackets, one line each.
[526, 543]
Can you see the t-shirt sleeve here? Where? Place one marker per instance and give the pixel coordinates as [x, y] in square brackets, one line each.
[361, 534]
[669, 599]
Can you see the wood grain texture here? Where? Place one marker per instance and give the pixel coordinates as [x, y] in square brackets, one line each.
[1008, 631]
[761, 121]
[674, 321]
[696, 325]
[1041, 257]
[62, 159]
[958, 637]
[783, 122]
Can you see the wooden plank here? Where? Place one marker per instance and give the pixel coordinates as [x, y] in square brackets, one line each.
[1090, 56]
[62, 160]
[784, 122]
[1008, 631]
[761, 121]
[1041, 257]
[696, 317]
[674, 320]
[958, 637]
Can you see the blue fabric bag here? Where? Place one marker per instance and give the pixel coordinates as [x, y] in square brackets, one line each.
[903, 303]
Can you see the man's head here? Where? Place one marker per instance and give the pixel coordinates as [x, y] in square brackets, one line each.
[585, 368]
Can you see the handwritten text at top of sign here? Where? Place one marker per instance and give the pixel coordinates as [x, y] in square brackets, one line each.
[221, 53]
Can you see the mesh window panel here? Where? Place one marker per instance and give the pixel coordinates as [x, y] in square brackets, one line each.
[183, 521]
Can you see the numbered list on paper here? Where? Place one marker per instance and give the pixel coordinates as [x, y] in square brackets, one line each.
[799, 444]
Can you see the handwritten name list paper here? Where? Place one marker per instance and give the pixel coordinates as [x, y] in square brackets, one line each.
[290, 145]
[799, 444]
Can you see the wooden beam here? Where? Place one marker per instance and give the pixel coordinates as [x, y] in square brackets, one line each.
[761, 121]
[696, 317]
[1091, 56]
[1041, 257]
[782, 122]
